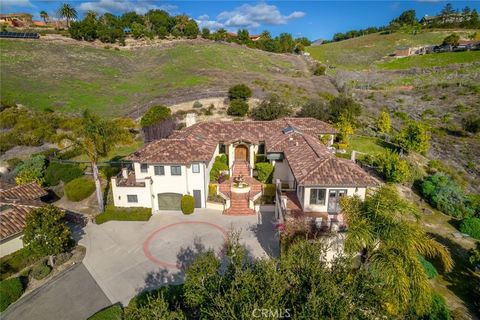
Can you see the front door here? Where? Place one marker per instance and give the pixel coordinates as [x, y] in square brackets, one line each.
[334, 200]
[241, 153]
[197, 194]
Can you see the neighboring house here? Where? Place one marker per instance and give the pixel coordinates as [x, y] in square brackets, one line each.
[16, 19]
[15, 203]
[409, 51]
[313, 178]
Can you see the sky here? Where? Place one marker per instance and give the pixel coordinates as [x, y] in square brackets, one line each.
[312, 19]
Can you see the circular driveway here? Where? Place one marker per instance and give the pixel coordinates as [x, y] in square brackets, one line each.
[166, 246]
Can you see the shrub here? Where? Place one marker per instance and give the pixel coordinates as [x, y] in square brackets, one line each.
[112, 213]
[237, 107]
[10, 291]
[219, 165]
[271, 108]
[315, 108]
[57, 172]
[222, 158]
[63, 257]
[392, 167]
[187, 204]
[239, 91]
[269, 189]
[428, 267]
[16, 261]
[346, 107]
[265, 172]
[31, 170]
[40, 271]
[197, 104]
[452, 40]
[445, 195]
[384, 124]
[471, 226]
[474, 255]
[471, 123]
[438, 310]
[319, 70]
[113, 312]
[212, 190]
[414, 137]
[79, 189]
[13, 163]
[155, 115]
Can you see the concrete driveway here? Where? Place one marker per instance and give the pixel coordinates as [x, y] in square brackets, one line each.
[126, 258]
[73, 295]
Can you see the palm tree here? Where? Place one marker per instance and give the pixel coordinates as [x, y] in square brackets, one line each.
[96, 137]
[68, 12]
[385, 230]
[44, 16]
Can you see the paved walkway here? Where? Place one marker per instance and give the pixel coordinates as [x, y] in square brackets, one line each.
[126, 258]
[73, 295]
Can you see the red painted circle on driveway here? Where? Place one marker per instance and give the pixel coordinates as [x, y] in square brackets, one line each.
[151, 237]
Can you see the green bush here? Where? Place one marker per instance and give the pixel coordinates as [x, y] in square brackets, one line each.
[319, 70]
[10, 291]
[155, 115]
[188, 204]
[414, 137]
[271, 108]
[315, 108]
[471, 226]
[123, 214]
[17, 261]
[237, 107]
[63, 257]
[31, 170]
[392, 167]
[197, 104]
[220, 164]
[445, 195]
[265, 172]
[269, 190]
[222, 158]
[114, 312]
[40, 271]
[428, 267]
[79, 189]
[57, 172]
[240, 92]
[212, 190]
[438, 310]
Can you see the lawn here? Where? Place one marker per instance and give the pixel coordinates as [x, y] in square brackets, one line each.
[73, 77]
[431, 60]
[360, 53]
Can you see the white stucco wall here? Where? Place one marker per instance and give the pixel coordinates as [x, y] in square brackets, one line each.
[120, 195]
[319, 208]
[10, 245]
[283, 172]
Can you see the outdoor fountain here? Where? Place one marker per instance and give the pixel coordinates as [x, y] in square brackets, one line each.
[240, 185]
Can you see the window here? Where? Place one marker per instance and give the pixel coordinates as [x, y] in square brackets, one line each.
[195, 168]
[176, 170]
[317, 196]
[261, 148]
[143, 167]
[221, 148]
[132, 198]
[159, 170]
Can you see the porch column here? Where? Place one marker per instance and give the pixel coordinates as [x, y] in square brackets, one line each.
[251, 158]
[231, 157]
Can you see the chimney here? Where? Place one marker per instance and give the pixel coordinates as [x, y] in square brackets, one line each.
[190, 119]
[125, 173]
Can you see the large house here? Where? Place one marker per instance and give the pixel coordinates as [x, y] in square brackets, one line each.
[313, 178]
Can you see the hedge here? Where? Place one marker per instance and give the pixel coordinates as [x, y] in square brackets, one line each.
[188, 204]
[17, 261]
[79, 189]
[114, 312]
[10, 291]
[57, 172]
[471, 226]
[40, 271]
[123, 214]
[428, 267]
[265, 171]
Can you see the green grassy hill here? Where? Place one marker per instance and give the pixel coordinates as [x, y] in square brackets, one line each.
[362, 52]
[70, 76]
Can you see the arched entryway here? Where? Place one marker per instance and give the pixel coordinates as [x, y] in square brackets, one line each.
[241, 153]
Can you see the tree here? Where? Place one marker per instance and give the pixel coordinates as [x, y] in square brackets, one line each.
[447, 12]
[205, 33]
[31, 170]
[46, 232]
[243, 36]
[452, 40]
[382, 229]
[191, 29]
[237, 107]
[68, 12]
[271, 108]
[239, 91]
[345, 128]
[155, 115]
[44, 16]
[286, 42]
[384, 124]
[346, 106]
[138, 30]
[315, 108]
[392, 167]
[96, 138]
[414, 137]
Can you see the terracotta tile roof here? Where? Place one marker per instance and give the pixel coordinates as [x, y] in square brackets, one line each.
[16, 203]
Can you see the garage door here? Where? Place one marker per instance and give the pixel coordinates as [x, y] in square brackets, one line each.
[169, 201]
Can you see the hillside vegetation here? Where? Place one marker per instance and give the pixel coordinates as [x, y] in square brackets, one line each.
[70, 76]
[360, 53]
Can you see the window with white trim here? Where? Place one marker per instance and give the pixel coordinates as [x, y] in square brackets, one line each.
[176, 170]
[143, 167]
[195, 167]
[317, 196]
[159, 170]
[132, 198]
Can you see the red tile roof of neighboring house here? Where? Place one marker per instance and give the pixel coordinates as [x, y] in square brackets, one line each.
[16, 203]
[311, 162]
